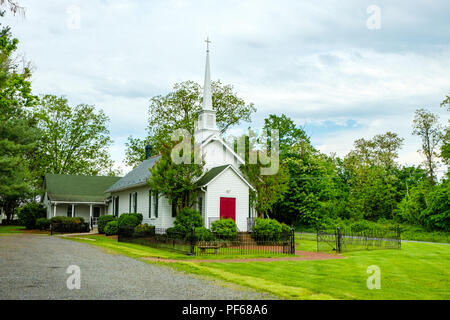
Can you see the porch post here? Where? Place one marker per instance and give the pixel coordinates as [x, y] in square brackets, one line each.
[90, 211]
[73, 210]
[54, 209]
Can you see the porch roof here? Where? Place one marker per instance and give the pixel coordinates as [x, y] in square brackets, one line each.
[62, 187]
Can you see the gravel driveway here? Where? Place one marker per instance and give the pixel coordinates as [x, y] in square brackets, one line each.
[34, 267]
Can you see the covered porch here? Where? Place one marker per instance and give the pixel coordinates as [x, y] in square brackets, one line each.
[90, 211]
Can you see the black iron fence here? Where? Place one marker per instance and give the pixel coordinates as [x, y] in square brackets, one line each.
[341, 240]
[242, 243]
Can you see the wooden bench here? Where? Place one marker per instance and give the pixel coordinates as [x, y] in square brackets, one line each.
[203, 248]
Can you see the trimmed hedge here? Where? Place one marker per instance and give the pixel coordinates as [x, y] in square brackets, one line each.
[144, 230]
[69, 224]
[103, 221]
[175, 233]
[112, 228]
[224, 228]
[43, 223]
[269, 229]
[127, 222]
[188, 218]
[30, 212]
[203, 234]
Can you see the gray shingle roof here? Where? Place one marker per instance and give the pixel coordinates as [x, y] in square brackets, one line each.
[137, 176]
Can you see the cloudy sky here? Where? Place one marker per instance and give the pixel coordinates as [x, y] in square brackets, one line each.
[332, 66]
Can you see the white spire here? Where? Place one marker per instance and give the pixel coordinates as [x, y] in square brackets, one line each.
[207, 95]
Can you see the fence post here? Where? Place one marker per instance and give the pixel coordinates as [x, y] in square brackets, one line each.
[399, 239]
[338, 239]
[317, 238]
[192, 252]
[292, 240]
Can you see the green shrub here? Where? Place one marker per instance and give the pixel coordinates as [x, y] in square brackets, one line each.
[188, 218]
[103, 221]
[127, 222]
[176, 233]
[203, 234]
[267, 229]
[112, 228]
[144, 230]
[43, 223]
[285, 229]
[224, 228]
[69, 224]
[30, 212]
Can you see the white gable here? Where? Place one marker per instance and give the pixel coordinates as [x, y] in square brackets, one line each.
[229, 184]
[216, 153]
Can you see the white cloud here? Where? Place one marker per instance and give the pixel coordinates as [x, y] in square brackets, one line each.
[314, 62]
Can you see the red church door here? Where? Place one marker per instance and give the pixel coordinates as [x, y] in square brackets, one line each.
[228, 208]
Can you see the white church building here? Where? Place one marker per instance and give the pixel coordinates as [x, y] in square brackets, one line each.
[223, 190]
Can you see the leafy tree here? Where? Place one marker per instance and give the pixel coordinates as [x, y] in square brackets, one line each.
[176, 181]
[269, 188]
[445, 148]
[30, 212]
[179, 110]
[18, 134]
[381, 150]
[289, 134]
[426, 126]
[373, 183]
[75, 140]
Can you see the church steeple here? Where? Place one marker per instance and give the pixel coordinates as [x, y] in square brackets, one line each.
[206, 125]
[207, 95]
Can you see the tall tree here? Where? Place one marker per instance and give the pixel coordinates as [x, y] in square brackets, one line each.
[381, 150]
[18, 134]
[176, 181]
[290, 135]
[74, 140]
[372, 170]
[179, 110]
[13, 6]
[445, 148]
[426, 126]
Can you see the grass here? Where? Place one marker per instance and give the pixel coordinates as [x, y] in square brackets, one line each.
[4, 230]
[418, 271]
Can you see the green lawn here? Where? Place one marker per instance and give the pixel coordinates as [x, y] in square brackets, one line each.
[11, 229]
[418, 271]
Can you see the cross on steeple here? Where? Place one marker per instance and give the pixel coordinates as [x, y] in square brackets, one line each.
[207, 44]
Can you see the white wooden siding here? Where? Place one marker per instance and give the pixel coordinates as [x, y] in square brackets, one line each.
[164, 219]
[228, 184]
